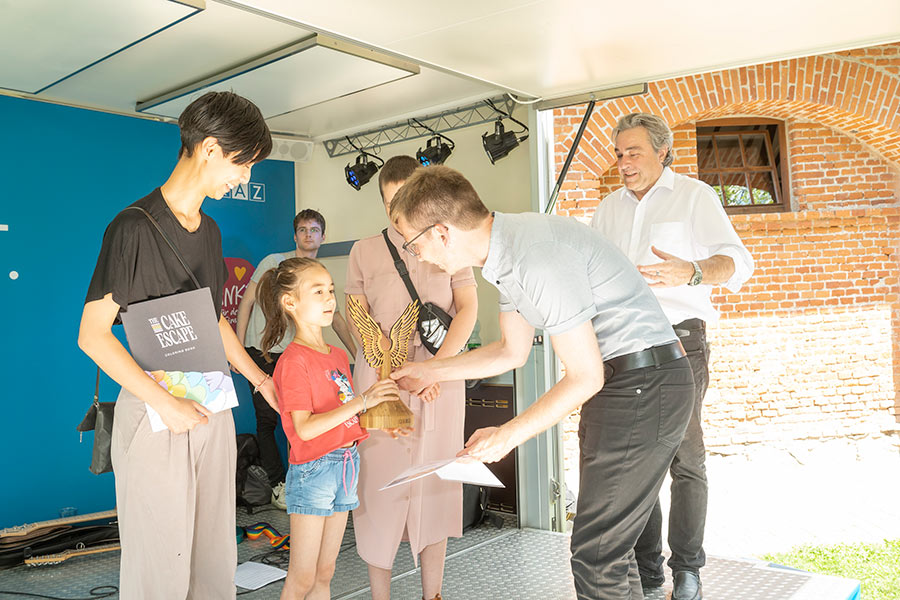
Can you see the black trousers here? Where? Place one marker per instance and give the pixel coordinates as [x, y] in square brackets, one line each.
[689, 491]
[628, 435]
[267, 420]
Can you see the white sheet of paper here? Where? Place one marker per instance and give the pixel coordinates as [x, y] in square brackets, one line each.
[254, 575]
[220, 395]
[451, 469]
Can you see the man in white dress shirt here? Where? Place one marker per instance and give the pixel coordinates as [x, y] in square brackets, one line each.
[677, 233]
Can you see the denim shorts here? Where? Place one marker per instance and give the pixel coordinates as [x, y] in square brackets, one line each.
[325, 485]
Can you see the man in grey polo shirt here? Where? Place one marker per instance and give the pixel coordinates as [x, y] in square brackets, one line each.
[624, 365]
[674, 229]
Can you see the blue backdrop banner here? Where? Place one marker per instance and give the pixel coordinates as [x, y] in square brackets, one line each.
[69, 171]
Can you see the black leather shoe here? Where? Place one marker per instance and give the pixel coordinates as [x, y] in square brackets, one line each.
[687, 586]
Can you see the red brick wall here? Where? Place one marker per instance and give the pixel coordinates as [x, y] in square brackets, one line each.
[810, 347]
[832, 170]
[886, 57]
[805, 348]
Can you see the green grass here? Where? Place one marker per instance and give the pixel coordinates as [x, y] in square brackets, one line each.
[877, 566]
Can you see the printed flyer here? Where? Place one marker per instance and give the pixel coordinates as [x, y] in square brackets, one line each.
[176, 340]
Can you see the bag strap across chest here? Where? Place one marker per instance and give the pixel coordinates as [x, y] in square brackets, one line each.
[401, 267]
[180, 259]
[169, 242]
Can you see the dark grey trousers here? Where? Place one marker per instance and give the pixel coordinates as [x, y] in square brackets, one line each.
[628, 435]
[687, 512]
[267, 421]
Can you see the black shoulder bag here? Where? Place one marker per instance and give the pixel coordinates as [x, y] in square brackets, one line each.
[434, 322]
[99, 417]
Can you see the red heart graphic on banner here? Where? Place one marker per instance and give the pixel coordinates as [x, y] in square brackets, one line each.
[237, 269]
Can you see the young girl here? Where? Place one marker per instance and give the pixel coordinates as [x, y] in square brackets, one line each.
[319, 416]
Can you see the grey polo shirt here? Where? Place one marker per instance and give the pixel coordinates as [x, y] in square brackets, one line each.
[558, 273]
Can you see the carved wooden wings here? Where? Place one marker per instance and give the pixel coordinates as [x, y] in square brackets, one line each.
[401, 332]
[371, 333]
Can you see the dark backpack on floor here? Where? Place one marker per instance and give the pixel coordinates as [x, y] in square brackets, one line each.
[475, 501]
[252, 481]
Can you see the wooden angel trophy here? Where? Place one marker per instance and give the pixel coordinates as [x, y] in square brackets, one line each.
[385, 355]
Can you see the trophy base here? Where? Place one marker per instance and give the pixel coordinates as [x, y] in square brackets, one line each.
[387, 415]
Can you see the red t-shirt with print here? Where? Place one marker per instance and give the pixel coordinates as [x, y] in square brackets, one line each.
[306, 379]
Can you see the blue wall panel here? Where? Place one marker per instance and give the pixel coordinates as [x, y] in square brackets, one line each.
[67, 173]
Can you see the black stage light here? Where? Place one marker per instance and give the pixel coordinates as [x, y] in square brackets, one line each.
[435, 153]
[360, 173]
[437, 149]
[500, 143]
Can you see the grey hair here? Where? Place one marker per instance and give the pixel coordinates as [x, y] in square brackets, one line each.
[659, 132]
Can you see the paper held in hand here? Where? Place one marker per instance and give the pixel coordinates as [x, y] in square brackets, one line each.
[462, 469]
[176, 340]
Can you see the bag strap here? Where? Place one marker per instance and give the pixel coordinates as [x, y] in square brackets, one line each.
[168, 241]
[401, 267]
[97, 389]
[180, 259]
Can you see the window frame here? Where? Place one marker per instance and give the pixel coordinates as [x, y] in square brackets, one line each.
[782, 171]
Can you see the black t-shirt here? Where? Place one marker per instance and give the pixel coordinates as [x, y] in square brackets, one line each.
[137, 264]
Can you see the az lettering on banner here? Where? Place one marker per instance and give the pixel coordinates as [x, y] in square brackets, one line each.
[257, 192]
[240, 192]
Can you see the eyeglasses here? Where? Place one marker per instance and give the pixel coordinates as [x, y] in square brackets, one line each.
[411, 247]
[312, 230]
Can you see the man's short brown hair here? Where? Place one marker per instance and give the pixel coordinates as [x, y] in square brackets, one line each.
[395, 170]
[438, 194]
[309, 214]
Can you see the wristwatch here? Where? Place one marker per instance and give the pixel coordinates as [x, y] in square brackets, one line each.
[697, 277]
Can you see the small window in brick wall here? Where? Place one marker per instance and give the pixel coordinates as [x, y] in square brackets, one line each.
[743, 160]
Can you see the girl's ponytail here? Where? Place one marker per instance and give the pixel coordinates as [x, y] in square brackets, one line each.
[268, 294]
[274, 284]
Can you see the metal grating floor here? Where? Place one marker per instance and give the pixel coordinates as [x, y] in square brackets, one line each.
[499, 564]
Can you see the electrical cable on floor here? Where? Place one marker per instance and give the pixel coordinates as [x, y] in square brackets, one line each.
[276, 558]
[95, 593]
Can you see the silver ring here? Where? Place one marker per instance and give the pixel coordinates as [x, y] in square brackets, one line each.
[657, 273]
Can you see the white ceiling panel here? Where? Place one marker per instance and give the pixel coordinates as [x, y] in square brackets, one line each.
[429, 91]
[551, 48]
[466, 50]
[385, 23]
[52, 39]
[303, 75]
[210, 42]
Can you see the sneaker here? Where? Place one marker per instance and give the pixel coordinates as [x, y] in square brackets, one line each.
[278, 496]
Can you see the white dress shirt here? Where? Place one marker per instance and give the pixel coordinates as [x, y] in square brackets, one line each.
[682, 216]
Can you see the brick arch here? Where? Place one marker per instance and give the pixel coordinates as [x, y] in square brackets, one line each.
[838, 91]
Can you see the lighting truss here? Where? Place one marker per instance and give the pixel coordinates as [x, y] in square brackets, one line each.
[449, 120]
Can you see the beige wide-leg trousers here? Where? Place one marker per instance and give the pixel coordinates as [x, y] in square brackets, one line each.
[175, 496]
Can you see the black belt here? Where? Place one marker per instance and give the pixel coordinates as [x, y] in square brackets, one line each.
[650, 357]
